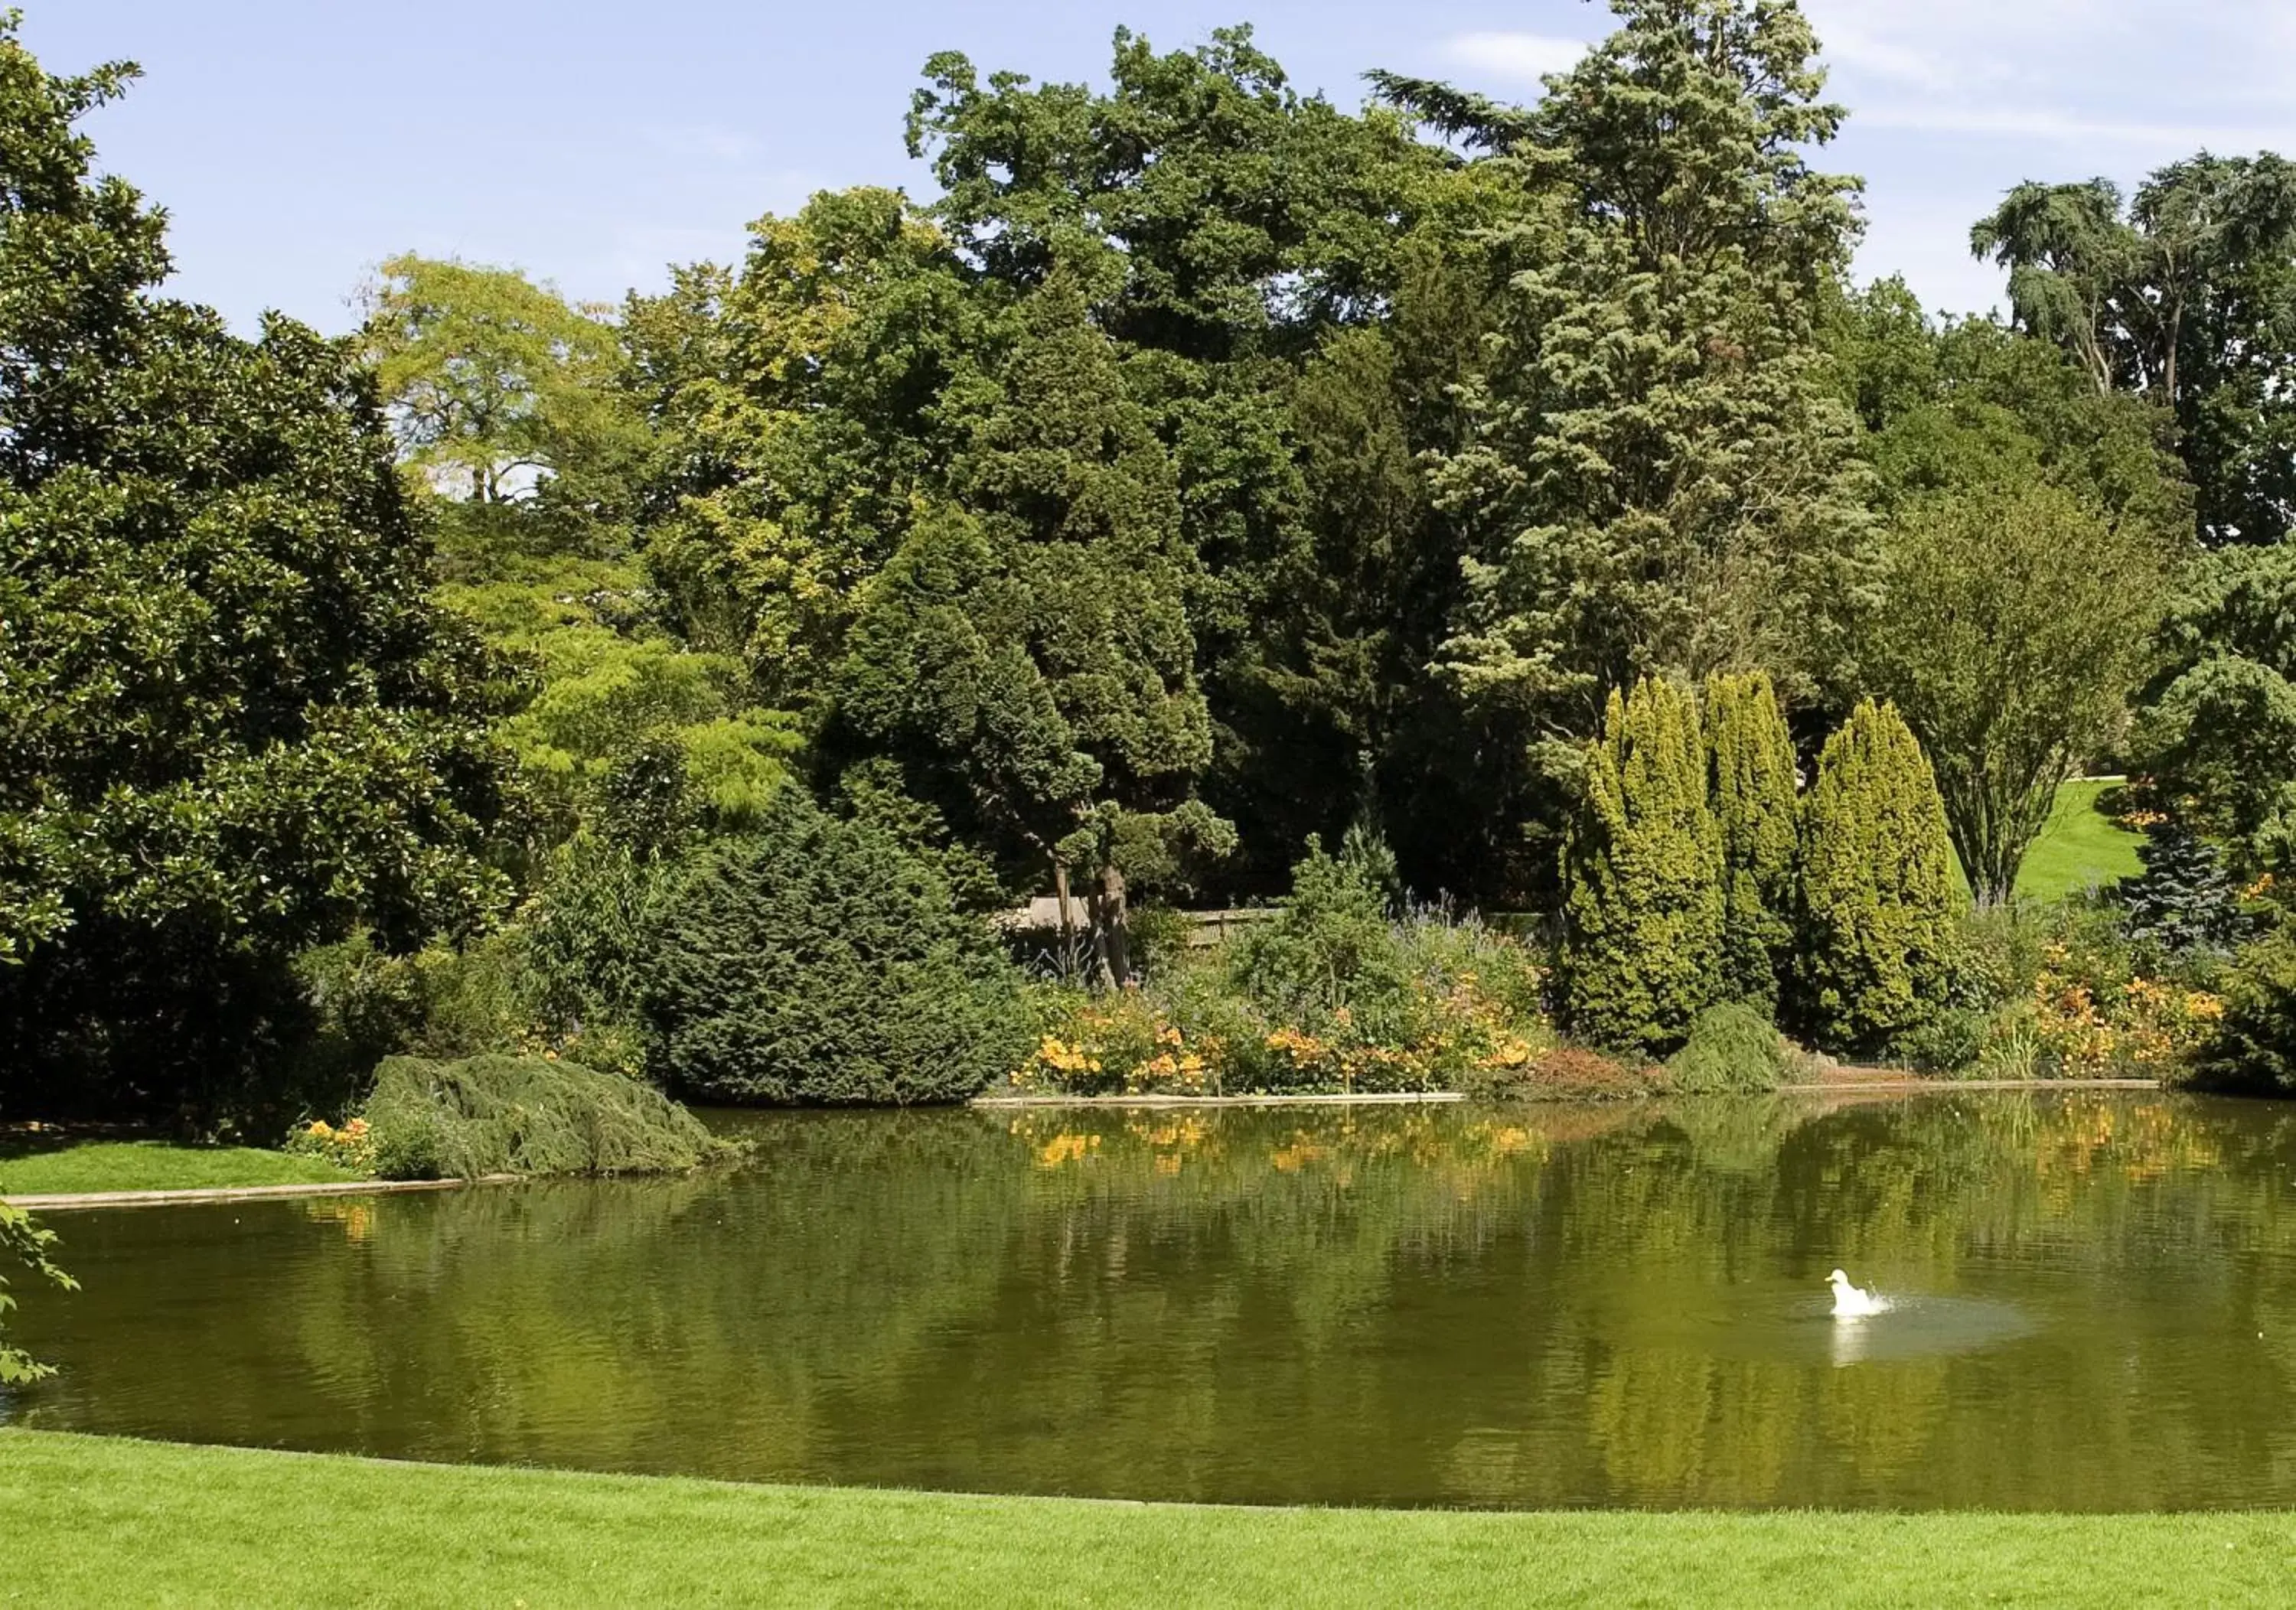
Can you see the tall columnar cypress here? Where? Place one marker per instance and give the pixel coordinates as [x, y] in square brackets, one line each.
[1641, 952]
[1877, 885]
[1753, 782]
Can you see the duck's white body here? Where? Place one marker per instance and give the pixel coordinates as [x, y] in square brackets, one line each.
[1850, 1303]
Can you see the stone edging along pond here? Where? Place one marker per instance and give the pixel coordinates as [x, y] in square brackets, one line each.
[245, 1193]
[372, 1187]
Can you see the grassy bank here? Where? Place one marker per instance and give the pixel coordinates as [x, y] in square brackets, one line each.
[90, 1521]
[29, 1169]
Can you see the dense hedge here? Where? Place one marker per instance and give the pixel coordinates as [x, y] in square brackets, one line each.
[820, 963]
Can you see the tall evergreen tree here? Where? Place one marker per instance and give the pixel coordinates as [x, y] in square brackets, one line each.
[1754, 783]
[1642, 949]
[1878, 900]
[1658, 477]
[1027, 653]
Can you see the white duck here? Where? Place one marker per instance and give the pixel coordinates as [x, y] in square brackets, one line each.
[1851, 1303]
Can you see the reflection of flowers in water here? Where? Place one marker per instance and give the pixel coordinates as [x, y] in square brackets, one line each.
[1066, 1149]
[358, 1218]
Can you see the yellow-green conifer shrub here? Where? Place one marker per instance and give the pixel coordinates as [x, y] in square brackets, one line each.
[1754, 783]
[1641, 951]
[1877, 887]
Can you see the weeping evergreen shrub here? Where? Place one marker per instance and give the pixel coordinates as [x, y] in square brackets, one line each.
[502, 1115]
[1642, 866]
[820, 963]
[1753, 786]
[1878, 907]
[1733, 1048]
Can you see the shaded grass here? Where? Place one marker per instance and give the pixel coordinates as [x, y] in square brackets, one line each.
[103, 1166]
[2080, 849]
[93, 1521]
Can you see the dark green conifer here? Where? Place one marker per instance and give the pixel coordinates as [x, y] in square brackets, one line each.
[2184, 900]
[1877, 887]
[1754, 784]
[1641, 952]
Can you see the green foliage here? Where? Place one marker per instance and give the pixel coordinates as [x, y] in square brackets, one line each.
[24, 1244]
[2253, 1050]
[818, 961]
[1028, 657]
[500, 393]
[1754, 784]
[2218, 734]
[2184, 296]
[1641, 951]
[1659, 478]
[2017, 624]
[498, 1114]
[1334, 949]
[1338, 996]
[1877, 914]
[1731, 1049]
[235, 724]
[2184, 901]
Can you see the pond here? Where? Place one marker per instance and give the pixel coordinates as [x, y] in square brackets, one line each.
[2095, 1308]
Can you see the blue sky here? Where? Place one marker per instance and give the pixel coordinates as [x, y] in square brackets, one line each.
[297, 141]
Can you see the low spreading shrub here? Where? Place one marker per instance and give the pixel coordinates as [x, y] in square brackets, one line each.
[1731, 1048]
[522, 1115]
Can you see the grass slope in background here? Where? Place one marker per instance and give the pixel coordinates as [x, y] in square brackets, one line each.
[103, 1166]
[2079, 849]
[94, 1522]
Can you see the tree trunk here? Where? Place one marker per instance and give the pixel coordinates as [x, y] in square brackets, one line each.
[1068, 911]
[1111, 938]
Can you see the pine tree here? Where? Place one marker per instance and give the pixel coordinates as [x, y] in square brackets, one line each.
[1641, 952]
[2184, 900]
[1753, 788]
[1877, 885]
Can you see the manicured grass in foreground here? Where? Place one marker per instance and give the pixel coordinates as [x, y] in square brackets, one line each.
[97, 1522]
[101, 1165]
[2079, 849]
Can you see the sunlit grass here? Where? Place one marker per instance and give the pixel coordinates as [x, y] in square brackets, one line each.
[94, 1522]
[107, 1165]
[2080, 849]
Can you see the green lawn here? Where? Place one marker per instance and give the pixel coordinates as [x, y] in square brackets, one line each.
[2079, 849]
[92, 1521]
[98, 1165]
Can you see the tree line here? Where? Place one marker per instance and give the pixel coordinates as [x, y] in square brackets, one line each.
[1207, 471]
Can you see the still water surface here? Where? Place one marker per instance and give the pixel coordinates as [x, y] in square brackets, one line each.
[2096, 1308]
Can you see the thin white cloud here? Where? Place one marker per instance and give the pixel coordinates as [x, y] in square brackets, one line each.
[1527, 57]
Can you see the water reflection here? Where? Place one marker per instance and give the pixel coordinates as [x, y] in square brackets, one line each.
[1606, 1305]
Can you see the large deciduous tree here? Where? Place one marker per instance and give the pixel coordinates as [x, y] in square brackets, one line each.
[234, 722]
[2218, 731]
[2185, 295]
[2018, 622]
